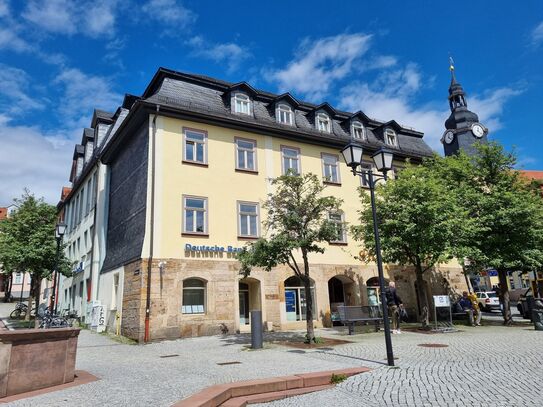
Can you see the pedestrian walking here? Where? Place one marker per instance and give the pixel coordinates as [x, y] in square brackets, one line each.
[394, 304]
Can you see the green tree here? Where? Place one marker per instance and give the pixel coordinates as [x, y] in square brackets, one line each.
[28, 244]
[509, 216]
[420, 223]
[297, 220]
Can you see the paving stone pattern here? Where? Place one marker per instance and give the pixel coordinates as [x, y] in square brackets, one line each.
[486, 366]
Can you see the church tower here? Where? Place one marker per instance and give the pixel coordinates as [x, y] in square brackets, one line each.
[463, 129]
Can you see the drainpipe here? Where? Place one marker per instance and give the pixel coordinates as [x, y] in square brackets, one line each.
[146, 337]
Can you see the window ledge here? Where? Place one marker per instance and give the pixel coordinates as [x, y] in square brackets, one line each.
[338, 244]
[242, 170]
[337, 184]
[196, 163]
[248, 237]
[194, 234]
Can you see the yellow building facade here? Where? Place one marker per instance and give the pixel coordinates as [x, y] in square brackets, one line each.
[206, 181]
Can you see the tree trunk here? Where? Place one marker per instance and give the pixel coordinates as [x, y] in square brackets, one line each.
[30, 298]
[424, 315]
[37, 288]
[9, 282]
[309, 310]
[310, 336]
[504, 297]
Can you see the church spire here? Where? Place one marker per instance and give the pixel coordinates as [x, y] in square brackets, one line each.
[457, 97]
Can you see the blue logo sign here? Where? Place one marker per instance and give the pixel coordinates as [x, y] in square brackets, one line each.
[290, 301]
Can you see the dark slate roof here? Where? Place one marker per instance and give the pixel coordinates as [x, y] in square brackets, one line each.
[101, 115]
[209, 96]
[79, 150]
[88, 134]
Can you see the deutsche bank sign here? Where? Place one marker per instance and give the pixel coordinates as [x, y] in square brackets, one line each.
[213, 249]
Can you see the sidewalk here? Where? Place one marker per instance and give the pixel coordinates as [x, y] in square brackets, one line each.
[161, 374]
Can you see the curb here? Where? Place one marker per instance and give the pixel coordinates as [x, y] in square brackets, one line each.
[239, 394]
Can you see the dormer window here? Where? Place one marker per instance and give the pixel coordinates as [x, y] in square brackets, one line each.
[242, 104]
[390, 137]
[357, 131]
[323, 122]
[284, 114]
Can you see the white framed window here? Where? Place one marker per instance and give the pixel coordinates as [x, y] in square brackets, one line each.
[339, 221]
[364, 179]
[194, 148]
[357, 131]
[330, 168]
[245, 154]
[18, 278]
[194, 296]
[248, 222]
[284, 114]
[291, 160]
[242, 104]
[194, 215]
[390, 137]
[323, 123]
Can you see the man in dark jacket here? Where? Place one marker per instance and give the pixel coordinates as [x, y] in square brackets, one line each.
[394, 304]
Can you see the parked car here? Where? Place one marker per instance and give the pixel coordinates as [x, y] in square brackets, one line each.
[522, 304]
[488, 300]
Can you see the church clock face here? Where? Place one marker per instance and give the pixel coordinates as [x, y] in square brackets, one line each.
[448, 137]
[478, 130]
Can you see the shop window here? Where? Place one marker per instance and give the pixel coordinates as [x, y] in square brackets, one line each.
[295, 299]
[194, 294]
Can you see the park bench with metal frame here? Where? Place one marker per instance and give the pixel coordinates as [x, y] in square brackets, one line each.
[351, 314]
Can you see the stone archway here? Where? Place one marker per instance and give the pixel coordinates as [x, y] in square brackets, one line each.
[340, 292]
[374, 290]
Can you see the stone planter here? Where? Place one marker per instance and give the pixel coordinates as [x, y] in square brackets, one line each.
[32, 359]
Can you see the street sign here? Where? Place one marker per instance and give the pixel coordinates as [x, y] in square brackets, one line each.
[442, 301]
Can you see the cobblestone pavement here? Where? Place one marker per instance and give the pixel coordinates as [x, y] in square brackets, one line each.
[467, 372]
[483, 366]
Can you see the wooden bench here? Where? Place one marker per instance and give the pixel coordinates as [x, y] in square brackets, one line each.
[350, 315]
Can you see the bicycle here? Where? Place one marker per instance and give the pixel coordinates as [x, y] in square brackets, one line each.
[50, 320]
[20, 311]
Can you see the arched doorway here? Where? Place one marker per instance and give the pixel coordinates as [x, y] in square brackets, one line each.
[340, 292]
[295, 299]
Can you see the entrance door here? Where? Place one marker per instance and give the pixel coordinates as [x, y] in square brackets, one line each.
[244, 304]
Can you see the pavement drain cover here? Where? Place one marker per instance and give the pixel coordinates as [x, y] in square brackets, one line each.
[229, 363]
[433, 345]
[169, 356]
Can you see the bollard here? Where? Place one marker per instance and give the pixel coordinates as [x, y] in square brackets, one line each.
[256, 329]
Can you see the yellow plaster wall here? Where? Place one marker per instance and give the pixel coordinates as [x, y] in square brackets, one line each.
[223, 187]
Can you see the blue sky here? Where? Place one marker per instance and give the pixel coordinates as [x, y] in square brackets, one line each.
[59, 59]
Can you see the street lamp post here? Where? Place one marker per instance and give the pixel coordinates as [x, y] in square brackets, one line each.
[59, 233]
[352, 153]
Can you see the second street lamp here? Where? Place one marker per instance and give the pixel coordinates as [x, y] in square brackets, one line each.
[352, 153]
[59, 233]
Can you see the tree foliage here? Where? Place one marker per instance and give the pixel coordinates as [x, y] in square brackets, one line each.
[27, 241]
[419, 220]
[297, 220]
[475, 208]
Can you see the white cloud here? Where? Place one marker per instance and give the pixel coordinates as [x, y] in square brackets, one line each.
[537, 34]
[11, 41]
[391, 96]
[30, 159]
[169, 12]
[319, 63]
[90, 18]
[14, 89]
[82, 93]
[4, 8]
[228, 53]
